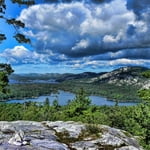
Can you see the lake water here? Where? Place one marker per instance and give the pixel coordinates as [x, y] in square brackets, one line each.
[64, 96]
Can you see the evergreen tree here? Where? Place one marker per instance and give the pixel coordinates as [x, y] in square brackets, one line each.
[13, 21]
[5, 71]
[56, 104]
[47, 102]
[145, 93]
[79, 104]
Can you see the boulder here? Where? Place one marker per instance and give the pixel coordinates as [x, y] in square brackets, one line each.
[18, 139]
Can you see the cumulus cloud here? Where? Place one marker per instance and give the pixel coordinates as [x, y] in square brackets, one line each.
[21, 55]
[34, 62]
[80, 29]
[103, 64]
[112, 39]
[84, 34]
[127, 53]
[83, 44]
[126, 62]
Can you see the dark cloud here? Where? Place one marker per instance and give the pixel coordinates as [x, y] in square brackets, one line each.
[69, 1]
[143, 53]
[101, 1]
[127, 53]
[131, 30]
[138, 6]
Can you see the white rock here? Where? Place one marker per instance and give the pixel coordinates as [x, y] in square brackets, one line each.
[45, 137]
[14, 142]
[108, 139]
[17, 137]
[128, 148]
[74, 129]
[84, 145]
[7, 128]
[24, 143]
[54, 145]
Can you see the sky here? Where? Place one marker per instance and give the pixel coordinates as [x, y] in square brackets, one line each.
[78, 36]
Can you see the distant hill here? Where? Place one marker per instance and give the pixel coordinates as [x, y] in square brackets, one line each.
[121, 76]
[51, 76]
[122, 84]
[125, 76]
[84, 75]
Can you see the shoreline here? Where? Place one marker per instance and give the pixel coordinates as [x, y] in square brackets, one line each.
[107, 99]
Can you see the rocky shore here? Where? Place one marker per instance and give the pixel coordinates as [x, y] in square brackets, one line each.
[59, 135]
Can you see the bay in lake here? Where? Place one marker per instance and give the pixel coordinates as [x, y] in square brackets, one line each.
[64, 96]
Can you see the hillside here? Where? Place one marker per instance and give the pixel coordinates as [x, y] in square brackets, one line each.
[51, 76]
[121, 84]
[121, 76]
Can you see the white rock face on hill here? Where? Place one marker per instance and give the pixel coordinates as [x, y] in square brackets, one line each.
[59, 135]
[146, 85]
[123, 76]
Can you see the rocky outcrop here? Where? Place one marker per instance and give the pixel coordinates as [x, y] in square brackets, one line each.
[130, 76]
[59, 135]
[146, 85]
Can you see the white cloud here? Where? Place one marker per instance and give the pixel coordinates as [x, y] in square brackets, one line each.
[113, 39]
[81, 45]
[83, 35]
[141, 26]
[18, 51]
[124, 61]
[62, 27]
[103, 64]
[21, 55]
[108, 19]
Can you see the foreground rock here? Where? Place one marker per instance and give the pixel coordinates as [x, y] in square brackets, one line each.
[59, 135]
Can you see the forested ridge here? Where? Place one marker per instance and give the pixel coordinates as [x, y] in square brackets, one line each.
[33, 90]
[121, 84]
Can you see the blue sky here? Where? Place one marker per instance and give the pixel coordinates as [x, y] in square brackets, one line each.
[79, 36]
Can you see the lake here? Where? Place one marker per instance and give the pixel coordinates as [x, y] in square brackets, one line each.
[64, 96]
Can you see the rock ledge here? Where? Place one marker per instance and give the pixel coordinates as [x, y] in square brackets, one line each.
[59, 135]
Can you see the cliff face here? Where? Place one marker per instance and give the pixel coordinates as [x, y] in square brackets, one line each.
[59, 135]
